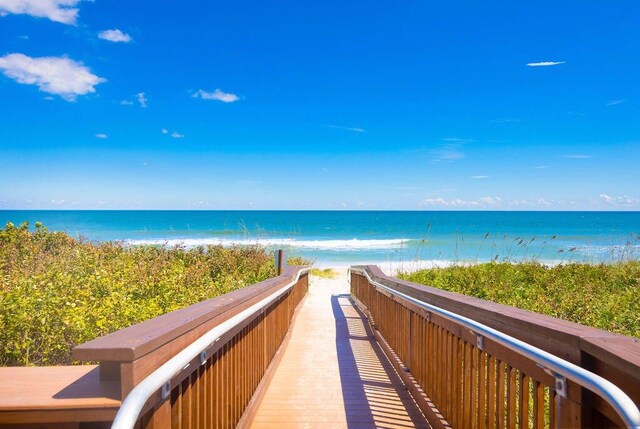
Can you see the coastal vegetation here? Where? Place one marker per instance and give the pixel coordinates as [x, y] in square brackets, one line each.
[605, 296]
[325, 273]
[57, 291]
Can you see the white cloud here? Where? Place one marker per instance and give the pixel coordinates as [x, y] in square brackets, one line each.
[491, 201]
[606, 198]
[174, 134]
[541, 201]
[63, 11]
[23, 37]
[458, 202]
[623, 200]
[539, 167]
[480, 177]
[55, 75]
[114, 36]
[219, 95]
[357, 130]
[126, 103]
[504, 120]
[578, 156]
[546, 63]
[141, 99]
[101, 136]
[449, 153]
[456, 140]
[434, 202]
[614, 102]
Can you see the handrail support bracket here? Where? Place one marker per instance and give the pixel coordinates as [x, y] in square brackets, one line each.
[479, 342]
[166, 390]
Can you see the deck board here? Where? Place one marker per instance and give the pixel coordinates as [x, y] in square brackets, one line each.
[333, 374]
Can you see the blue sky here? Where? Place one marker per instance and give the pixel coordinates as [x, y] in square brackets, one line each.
[320, 105]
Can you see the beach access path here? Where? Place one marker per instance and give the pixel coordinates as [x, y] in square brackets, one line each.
[333, 373]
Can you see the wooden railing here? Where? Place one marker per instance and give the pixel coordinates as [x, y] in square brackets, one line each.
[215, 393]
[461, 381]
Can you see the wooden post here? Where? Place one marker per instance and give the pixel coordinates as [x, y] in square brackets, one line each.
[280, 262]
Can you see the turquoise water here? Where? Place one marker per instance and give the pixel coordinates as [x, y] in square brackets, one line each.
[339, 238]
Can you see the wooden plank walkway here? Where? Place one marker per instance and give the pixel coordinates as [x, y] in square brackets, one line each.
[333, 374]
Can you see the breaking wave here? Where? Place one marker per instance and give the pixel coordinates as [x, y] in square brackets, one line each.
[352, 244]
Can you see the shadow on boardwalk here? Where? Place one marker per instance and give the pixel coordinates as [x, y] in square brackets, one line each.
[373, 394]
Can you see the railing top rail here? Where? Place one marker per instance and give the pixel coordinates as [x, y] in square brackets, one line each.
[133, 404]
[615, 397]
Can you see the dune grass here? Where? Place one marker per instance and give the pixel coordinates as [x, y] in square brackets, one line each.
[57, 292]
[326, 273]
[605, 296]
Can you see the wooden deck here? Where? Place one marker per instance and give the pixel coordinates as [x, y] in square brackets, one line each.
[333, 373]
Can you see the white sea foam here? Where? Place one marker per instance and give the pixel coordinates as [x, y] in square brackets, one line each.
[353, 244]
[391, 267]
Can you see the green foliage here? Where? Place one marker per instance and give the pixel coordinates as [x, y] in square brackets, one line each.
[326, 273]
[605, 296]
[57, 292]
[298, 260]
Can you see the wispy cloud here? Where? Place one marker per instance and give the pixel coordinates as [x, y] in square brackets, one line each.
[447, 153]
[480, 177]
[101, 136]
[219, 95]
[606, 198]
[126, 103]
[615, 102]
[142, 99]
[408, 188]
[357, 130]
[578, 156]
[63, 11]
[534, 202]
[174, 134]
[504, 120]
[546, 63]
[60, 76]
[623, 200]
[541, 201]
[456, 140]
[114, 35]
[459, 202]
[491, 201]
[540, 167]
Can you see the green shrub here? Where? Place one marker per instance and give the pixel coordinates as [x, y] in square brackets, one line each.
[605, 296]
[57, 292]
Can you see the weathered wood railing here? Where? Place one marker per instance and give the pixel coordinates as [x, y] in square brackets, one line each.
[214, 393]
[462, 380]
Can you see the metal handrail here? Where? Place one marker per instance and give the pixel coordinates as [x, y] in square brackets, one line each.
[620, 401]
[132, 405]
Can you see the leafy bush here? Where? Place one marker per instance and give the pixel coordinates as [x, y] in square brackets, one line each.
[605, 296]
[57, 292]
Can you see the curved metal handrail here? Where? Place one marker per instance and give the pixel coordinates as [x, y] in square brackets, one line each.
[132, 405]
[620, 401]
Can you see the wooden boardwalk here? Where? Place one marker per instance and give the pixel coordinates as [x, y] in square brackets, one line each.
[333, 374]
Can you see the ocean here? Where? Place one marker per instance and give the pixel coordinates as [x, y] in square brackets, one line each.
[400, 239]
